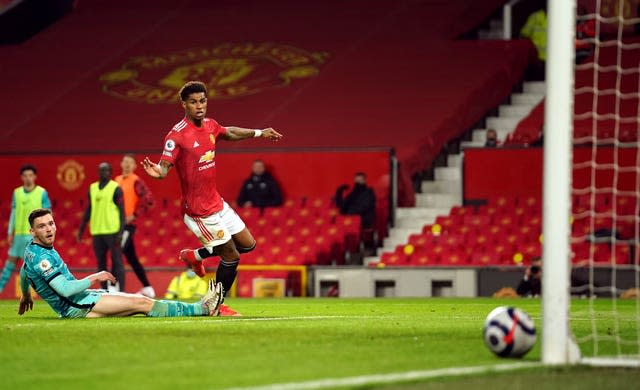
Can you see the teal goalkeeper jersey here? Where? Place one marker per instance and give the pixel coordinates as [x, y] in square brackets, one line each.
[41, 266]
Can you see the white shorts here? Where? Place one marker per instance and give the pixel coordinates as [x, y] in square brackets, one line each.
[215, 229]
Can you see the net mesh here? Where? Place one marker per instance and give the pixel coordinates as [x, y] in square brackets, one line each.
[606, 179]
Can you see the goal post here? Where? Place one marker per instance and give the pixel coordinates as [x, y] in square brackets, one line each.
[557, 173]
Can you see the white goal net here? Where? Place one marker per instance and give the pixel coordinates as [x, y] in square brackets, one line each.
[605, 191]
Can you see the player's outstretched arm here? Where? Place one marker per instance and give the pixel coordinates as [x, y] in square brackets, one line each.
[239, 133]
[157, 171]
[26, 302]
[67, 288]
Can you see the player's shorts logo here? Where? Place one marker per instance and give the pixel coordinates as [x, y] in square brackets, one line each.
[229, 70]
[220, 234]
[70, 175]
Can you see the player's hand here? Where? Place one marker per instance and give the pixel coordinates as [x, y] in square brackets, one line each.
[151, 168]
[129, 219]
[271, 134]
[102, 276]
[26, 304]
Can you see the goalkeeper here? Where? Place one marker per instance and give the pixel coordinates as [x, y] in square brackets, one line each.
[45, 270]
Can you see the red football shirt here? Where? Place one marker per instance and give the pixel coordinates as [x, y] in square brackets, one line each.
[192, 151]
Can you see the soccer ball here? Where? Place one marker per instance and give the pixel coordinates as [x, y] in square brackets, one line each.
[509, 332]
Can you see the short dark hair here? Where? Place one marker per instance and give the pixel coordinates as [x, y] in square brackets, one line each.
[192, 87]
[361, 174]
[37, 213]
[28, 167]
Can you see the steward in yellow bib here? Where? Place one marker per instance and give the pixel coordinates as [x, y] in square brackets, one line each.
[25, 199]
[105, 214]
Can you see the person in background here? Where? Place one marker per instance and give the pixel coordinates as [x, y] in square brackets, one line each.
[491, 140]
[530, 285]
[137, 201]
[260, 189]
[535, 29]
[585, 32]
[360, 201]
[105, 213]
[187, 285]
[25, 199]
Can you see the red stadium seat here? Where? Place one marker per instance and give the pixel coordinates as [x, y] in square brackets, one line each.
[485, 259]
[622, 254]
[454, 258]
[248, 214]
[530, 251]
[453, 241]
[395, 258]
[351, 226]
[477, 221]
[275, 214]
[503, 202]
[424, 257]
[421, 240]
[460, 211]
[626, 205]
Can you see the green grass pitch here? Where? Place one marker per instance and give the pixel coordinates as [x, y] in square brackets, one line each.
[291, 341]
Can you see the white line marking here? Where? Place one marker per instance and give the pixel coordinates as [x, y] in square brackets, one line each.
[622, 361]
[390, 378]
[179, 320]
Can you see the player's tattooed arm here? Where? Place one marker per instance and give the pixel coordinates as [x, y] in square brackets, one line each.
[239, 133]
[158, 171]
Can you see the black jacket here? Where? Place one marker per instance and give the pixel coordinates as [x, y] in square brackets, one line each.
[529, 287]
[261, 191]
[361, 200]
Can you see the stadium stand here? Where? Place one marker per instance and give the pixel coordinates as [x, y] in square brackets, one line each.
[390, 74]
[529, 129]
[383, 67]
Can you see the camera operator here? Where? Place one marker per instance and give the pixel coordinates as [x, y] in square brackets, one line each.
[530, 284]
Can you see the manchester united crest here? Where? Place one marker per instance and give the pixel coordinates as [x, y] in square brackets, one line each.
[70, 175]
[229, 69]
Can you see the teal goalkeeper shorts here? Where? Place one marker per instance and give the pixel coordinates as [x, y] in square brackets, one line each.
[87, 300]
[20, 243]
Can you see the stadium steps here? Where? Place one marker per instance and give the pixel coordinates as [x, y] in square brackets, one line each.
[509, 115]
[445, 191]
[438, 196]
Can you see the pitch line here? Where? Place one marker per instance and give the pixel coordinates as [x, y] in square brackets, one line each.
[196, 319]
[364, 380]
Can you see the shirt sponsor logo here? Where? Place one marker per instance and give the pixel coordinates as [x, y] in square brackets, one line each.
[231, 70]
[169, 145]
[208, 156]
[207, 166]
